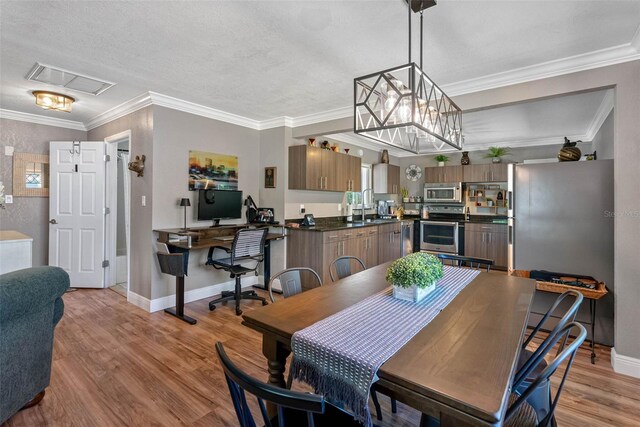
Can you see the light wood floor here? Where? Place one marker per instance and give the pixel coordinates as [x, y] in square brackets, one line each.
[116, 365]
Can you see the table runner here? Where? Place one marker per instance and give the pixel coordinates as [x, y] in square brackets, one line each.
[339, 356]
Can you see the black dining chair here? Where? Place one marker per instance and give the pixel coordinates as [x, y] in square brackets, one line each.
[466, 261]
[291, 281]
[520, 413]
[539, 398]
[342, 267]
[248, 246]
[294, 408]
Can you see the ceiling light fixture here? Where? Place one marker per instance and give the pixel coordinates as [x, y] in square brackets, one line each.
[53, 101]
[404, 108]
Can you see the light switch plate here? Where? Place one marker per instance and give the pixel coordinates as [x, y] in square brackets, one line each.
[8, 199]
[8, 150]
[143, 201]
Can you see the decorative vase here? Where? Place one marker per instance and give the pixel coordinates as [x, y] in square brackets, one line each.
[312, 142]
[569, 152]
[441, 164]
[465, 158]
[385, 157]
[496, 160]
[414, 293]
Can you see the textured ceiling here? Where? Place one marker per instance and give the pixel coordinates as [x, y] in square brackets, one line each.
[283, 58]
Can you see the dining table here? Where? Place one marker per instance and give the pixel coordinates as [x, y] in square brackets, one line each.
[457, 369]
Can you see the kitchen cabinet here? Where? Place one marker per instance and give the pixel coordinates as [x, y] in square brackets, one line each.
[389, 246]
[487, 241]
[443, 174]
[367, 246]
[386, 178]
[493, 172]
[312, 168]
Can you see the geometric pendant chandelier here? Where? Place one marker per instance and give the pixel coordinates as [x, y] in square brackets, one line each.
[402, 107]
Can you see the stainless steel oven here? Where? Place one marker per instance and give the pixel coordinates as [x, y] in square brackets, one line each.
[439, 236]
[443, 193]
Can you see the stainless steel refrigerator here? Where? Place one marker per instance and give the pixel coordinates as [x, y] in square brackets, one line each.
[561, 220]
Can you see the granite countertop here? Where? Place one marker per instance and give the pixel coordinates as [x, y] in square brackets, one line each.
[337, 225]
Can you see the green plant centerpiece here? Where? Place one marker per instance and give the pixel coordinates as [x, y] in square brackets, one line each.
[441, 159]
[496, 153]
[414, 276]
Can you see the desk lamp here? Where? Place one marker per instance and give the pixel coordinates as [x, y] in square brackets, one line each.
[185, 202]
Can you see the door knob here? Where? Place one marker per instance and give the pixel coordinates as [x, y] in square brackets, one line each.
[53, 221]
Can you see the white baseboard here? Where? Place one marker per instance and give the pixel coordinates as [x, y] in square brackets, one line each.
[139, 301]
[624, 364]
[200, 293]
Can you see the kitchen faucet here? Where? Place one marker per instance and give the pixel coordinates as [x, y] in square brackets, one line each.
[364, 191]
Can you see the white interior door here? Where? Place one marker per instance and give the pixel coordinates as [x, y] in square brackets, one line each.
[77, 210]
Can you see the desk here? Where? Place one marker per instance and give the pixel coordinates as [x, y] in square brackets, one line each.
[205, 237]
[458, 368]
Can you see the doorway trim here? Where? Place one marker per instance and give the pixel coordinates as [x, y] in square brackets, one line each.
[111, 195]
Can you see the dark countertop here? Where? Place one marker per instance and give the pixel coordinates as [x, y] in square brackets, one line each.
[334, 226]
[480, 219]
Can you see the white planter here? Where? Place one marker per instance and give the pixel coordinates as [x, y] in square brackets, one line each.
[413, 293]
[441, 164]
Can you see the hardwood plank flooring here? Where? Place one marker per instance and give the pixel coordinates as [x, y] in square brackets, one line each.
[117, 365]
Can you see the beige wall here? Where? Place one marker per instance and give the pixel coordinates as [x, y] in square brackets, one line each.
[141, 125]
[29, 215]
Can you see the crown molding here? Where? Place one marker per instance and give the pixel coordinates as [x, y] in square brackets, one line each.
[276, 123]
[587, 61]
[324, 116]
[128, 107]
[601, 115]
[201, 110]
[635, 41]
[41, 120]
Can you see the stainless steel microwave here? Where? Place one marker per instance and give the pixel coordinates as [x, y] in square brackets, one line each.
[443, 193]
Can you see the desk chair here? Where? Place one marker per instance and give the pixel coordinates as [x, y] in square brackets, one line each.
[461, 261]
[248, 245]
[342, 266]
[294, 409]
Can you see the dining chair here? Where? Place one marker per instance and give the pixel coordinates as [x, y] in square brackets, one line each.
[520, 413]
[248, 245]
[293, 408]
[291, 282]
[461, 261]
[342, 266]
[539, 398]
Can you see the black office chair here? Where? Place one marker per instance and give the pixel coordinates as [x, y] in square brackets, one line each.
[293, 408]
[520, 413]
[539, 398]
[248, 245]
[342, 266]
[462, 261]
[291, 282]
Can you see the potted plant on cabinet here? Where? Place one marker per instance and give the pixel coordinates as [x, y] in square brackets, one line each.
[441, 159]
[496, 153]
[414, 276]
[405, 194]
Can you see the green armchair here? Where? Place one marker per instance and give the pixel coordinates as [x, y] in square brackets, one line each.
[30, 307]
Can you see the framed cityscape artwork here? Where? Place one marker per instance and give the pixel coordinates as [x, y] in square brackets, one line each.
[212, 171]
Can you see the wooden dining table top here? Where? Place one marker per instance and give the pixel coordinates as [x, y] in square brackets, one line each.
[463, 360]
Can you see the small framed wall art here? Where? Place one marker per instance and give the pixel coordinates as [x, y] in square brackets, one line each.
[270, 175]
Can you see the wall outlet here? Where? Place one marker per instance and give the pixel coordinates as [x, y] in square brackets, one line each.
[8, 150]
[8, 199]
[302, 210]
[143, 201]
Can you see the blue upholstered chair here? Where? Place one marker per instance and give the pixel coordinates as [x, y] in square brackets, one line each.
[30, 308]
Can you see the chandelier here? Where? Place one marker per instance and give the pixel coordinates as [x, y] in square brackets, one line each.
[402, 107]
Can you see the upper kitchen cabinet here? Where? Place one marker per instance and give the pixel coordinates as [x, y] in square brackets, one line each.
[386, 178]
[446, 174]
[312, 168]
[493, 172]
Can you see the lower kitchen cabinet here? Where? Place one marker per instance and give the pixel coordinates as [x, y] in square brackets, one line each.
[318, 250]
[389, 246]
[487, 241]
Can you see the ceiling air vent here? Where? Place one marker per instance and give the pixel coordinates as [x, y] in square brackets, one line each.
[59, 77]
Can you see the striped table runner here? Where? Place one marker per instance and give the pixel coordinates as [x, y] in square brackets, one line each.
[339, 356]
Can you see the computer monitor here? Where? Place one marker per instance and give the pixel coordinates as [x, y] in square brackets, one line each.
[219, 204]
